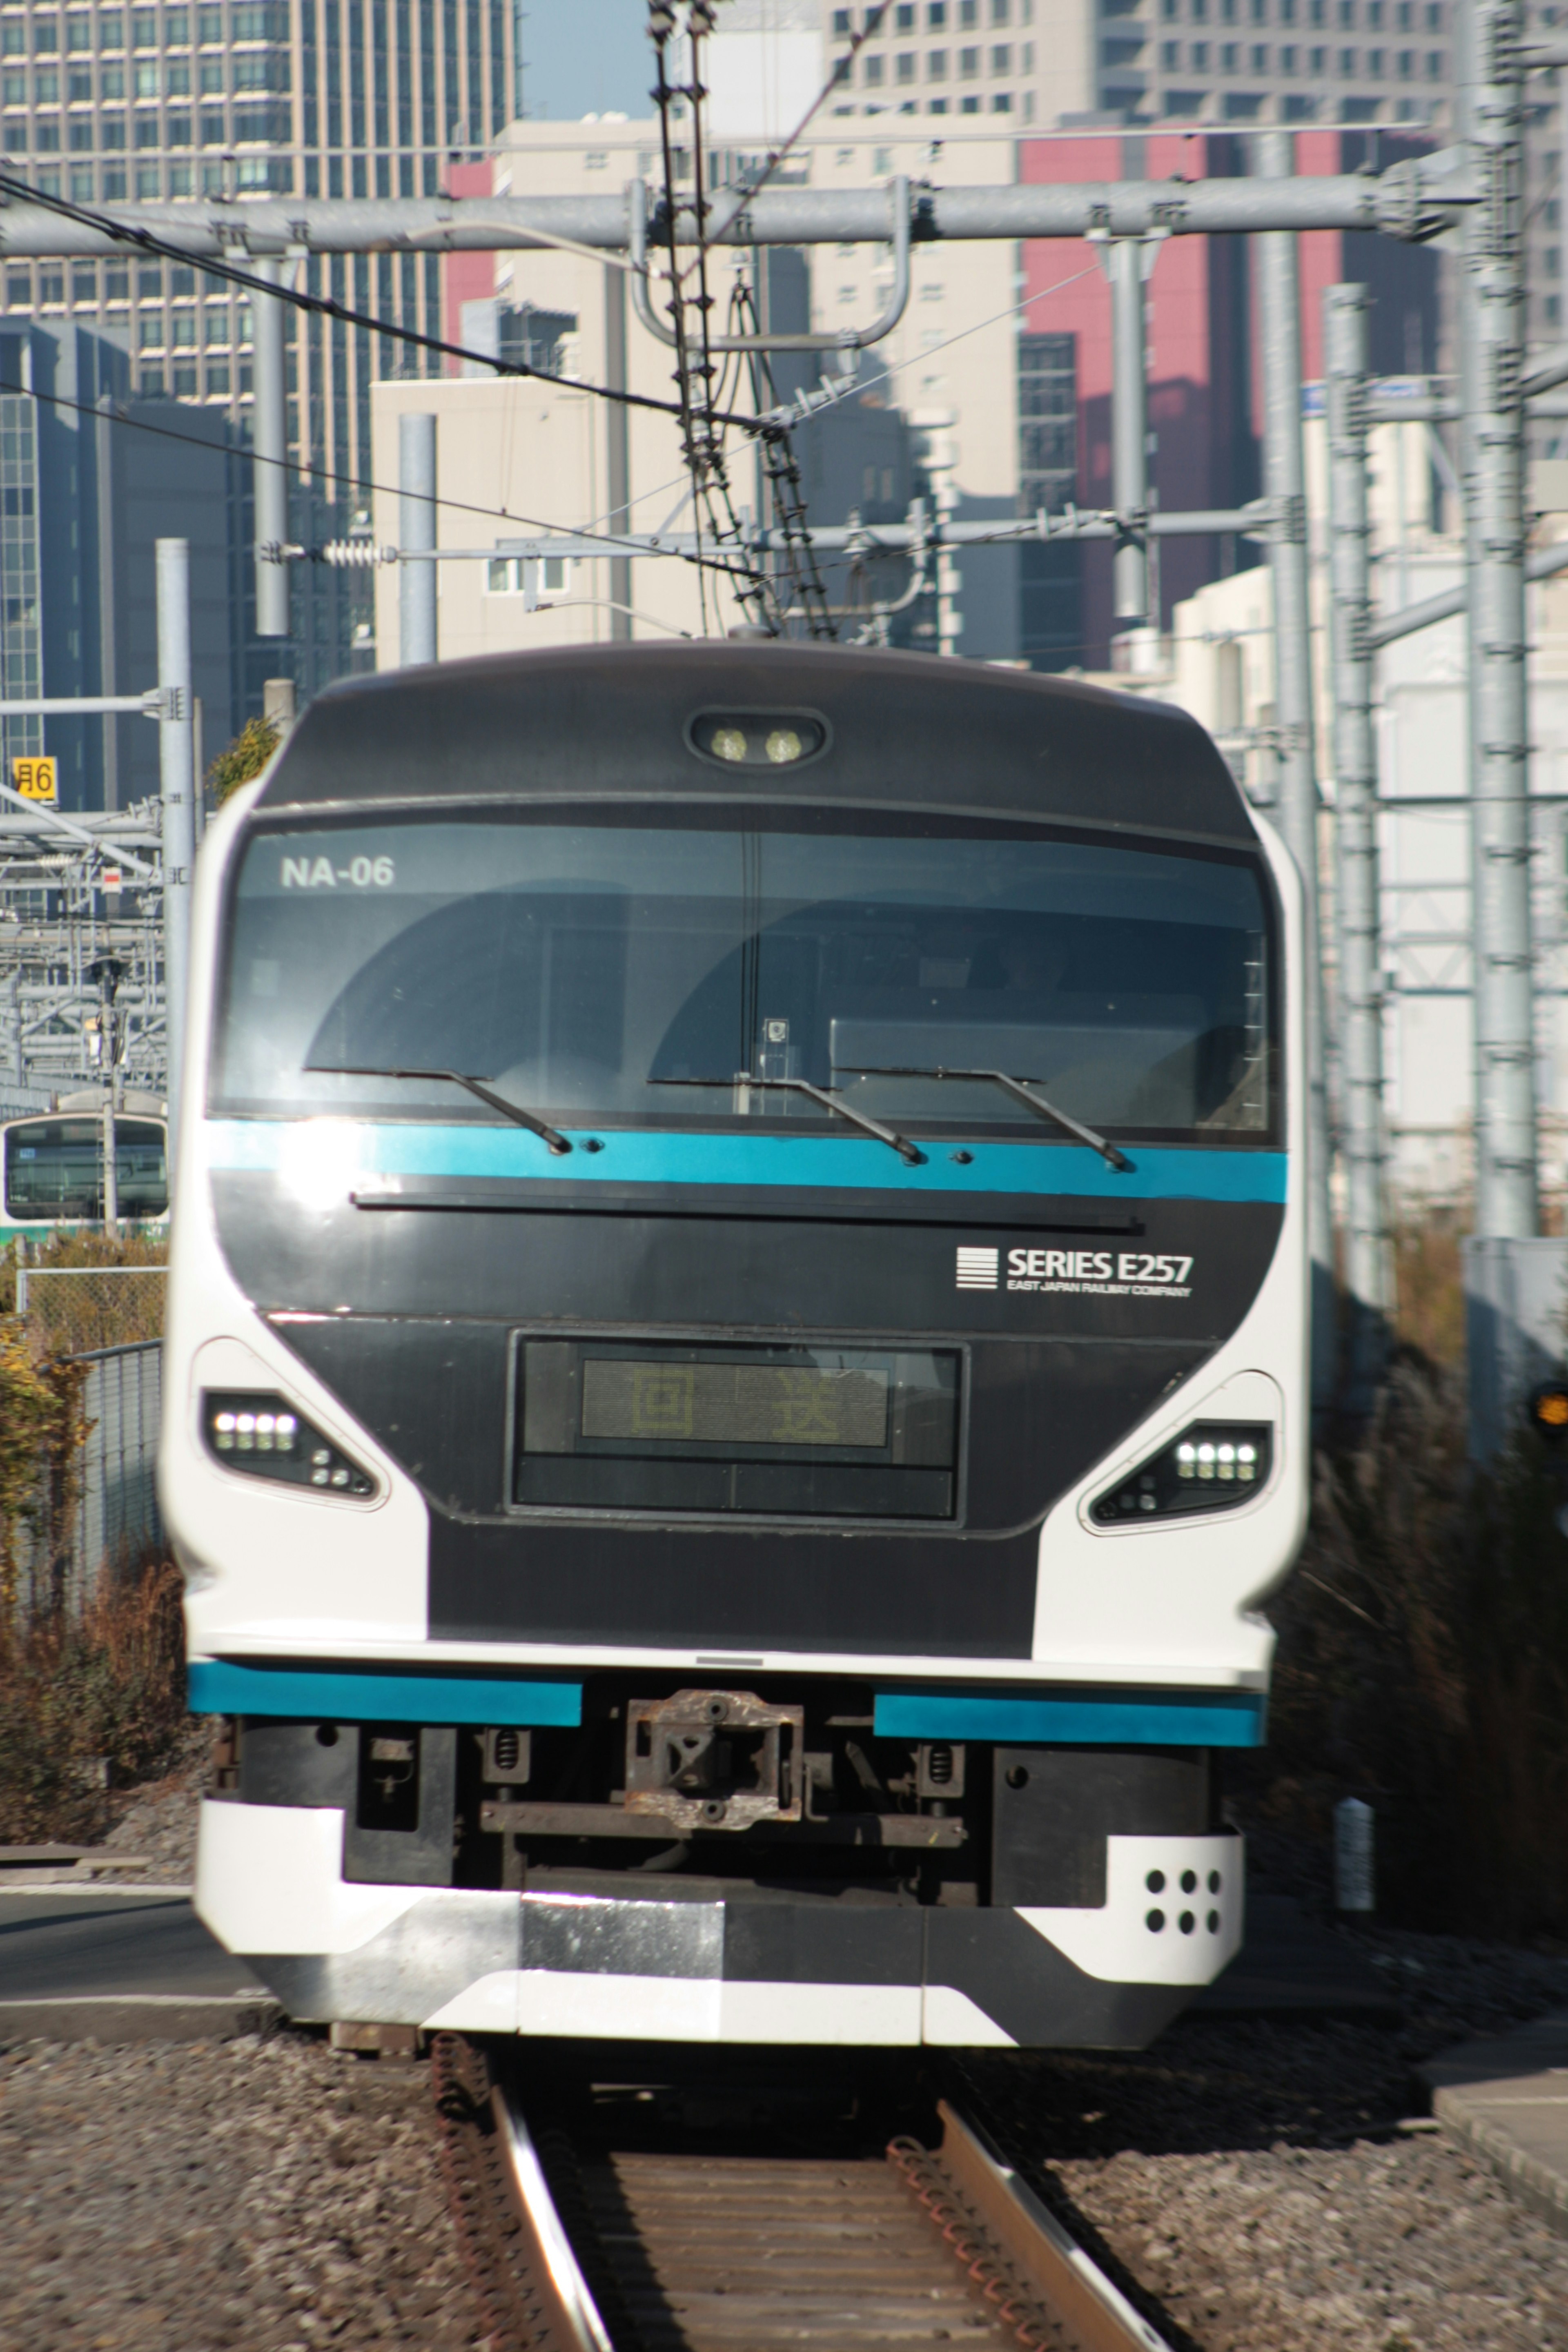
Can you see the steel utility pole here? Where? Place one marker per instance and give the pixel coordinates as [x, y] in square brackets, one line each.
[269, 426]
[416, 527]
[1492, 338]
[1368, 1270]
[617, 451]
[178, 780]
[1285, 484]
[1129, 437]
[109, 971]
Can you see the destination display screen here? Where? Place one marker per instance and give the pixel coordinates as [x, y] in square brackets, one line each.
[741, 1404]
[819, 1431]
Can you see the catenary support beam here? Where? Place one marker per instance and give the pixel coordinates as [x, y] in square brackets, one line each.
[1491, 342]
[177, 781]
[1285, 482]
[417, 522]
[1367, 1266]
[1410, 200]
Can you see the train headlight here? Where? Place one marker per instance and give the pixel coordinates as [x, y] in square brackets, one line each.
[262, 1437]
[1212, 1466]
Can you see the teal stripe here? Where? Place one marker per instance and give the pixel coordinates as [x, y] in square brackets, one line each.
[215, 1688]
[845, 1162]
[1111, 1719]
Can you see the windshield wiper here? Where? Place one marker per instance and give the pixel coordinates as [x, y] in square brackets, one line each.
[514, 1111]
[906, 1150]
[1020, 1088]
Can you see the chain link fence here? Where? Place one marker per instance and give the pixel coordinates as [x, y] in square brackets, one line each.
[81, 1310]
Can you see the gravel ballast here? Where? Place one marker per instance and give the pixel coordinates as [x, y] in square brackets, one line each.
[1276, 2186]
[221, 2197]
[1265, 2186]
[1258, 2184]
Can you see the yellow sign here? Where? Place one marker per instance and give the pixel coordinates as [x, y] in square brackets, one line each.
[36, 780]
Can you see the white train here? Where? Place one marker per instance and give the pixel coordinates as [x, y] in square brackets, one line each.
[735, 1384]
[51, 1167]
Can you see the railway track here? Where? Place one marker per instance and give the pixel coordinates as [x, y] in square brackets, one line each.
[624, 2219]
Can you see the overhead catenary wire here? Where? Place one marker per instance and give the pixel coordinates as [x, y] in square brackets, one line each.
[700, 415]
[116, 415]
[327, 306]
[767, 428]
[755, 585]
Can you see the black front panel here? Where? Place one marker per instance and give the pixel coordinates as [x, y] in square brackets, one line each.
[1157, 1271]
[820, 1590]
[1039, 1414]
[423, 1319]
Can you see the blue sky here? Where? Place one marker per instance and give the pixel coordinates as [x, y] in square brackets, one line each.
[586, 57]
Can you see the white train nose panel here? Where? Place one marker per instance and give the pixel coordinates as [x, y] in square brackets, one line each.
[1171, 1916]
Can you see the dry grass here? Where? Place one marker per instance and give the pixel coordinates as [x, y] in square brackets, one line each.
[106, 1688]
[81, 1247]
[1424, 1666]
[1430, 1317]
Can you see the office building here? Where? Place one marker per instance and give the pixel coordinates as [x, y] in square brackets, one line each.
[228, 99]
[86, 496]
[1205, 425]
[1046, 64]
[933, 411]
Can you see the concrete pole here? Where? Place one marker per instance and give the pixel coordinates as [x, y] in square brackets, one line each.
[1368, 1270]
[617, 450]
[1491, 338]
[1129, 434]
[279, 706]
[1285, 483]
[176, 783]
[108, 979]
[271, 450]
[417, 528]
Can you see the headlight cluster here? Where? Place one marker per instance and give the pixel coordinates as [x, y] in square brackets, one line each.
[1212, 1466]
[263, 1436]
[757, 739]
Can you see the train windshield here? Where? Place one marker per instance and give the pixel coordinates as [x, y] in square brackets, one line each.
[54, 1169]
[631, 963]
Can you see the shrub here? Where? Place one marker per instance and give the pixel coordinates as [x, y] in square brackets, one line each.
[1423, 1665]
[41, 1436]
[106, 1685]
[245, 758]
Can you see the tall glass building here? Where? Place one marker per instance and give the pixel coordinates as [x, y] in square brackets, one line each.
[230, 100]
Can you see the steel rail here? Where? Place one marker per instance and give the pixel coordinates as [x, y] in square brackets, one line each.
[576, 2252]
[1413, 201]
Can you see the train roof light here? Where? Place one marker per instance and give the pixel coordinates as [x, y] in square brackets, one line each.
[757, 739]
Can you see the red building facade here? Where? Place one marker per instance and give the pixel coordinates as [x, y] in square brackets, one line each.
[1204, 396]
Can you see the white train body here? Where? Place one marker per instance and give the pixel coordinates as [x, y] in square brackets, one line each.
[763, 1561]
